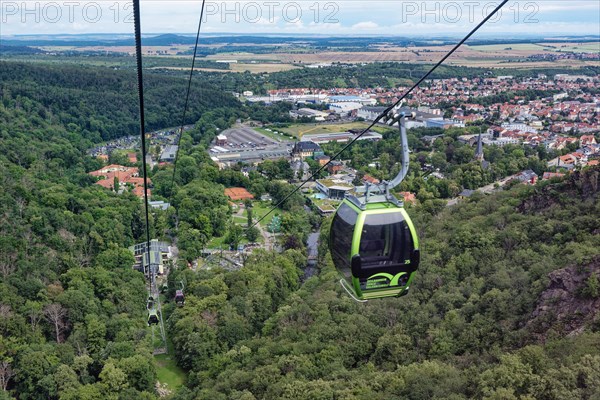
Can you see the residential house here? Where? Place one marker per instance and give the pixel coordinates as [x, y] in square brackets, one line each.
[369, 179]
[169, 153]
[528, 177]
[322, 159]
[303, 150]
[409, 197]
[124, 176]
[587, 140]
[335, 167]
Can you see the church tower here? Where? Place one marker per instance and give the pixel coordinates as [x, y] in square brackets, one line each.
[479, 151]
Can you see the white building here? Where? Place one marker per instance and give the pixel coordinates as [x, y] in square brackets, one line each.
[310, 113]
[369, 113]
[519, 127]
[345, 107]
[503, 141]
[443, 123]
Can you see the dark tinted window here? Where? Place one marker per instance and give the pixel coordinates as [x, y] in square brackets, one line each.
[385, 237]
[342, 230]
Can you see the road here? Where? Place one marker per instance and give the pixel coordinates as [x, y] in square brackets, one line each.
[487, 189]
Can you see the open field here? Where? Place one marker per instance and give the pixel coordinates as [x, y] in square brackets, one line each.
[260, 68]
[494, 48]
[148, 50]
[591, 47]
[274, 136]
[260, 209]
[298, 130]
[257, 68]
[489, 56]
[481, 56]
[168, 372]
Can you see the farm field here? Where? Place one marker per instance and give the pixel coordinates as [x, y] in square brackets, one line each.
[494, 48]
[260, 67]
[508, 55]
[298, 130]
[470, 56]
[274, 136]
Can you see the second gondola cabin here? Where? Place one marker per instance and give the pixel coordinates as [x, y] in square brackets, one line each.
[375, 248]
[179, 297]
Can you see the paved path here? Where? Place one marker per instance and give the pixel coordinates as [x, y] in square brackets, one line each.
[487, 189]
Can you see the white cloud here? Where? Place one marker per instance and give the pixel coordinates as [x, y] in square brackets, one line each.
[568, 6]
[366, 25]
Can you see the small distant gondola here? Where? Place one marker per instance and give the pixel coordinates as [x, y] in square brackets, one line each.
[153, 317]
[179, 297]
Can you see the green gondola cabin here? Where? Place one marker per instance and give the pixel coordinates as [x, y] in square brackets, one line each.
[153, 318]
[376, 250]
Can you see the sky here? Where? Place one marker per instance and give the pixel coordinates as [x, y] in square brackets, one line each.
[341, 17]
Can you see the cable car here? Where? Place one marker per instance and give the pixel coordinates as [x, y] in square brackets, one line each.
[153, 318]
[375, 249]
[179, 297]
[373, 242]
[164, 287]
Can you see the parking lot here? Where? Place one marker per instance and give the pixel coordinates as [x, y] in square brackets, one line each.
[246, 137]
[246, 144]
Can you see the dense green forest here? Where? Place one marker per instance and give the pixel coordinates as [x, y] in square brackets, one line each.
[101, 104]
[504, 305]
[72, 308]
[489, 317]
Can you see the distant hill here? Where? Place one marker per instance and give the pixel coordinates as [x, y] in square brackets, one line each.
[310, 40]
[18, 50]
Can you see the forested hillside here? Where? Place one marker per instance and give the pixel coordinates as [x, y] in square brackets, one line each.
[102, 103]
[480, 321]
[72, 309]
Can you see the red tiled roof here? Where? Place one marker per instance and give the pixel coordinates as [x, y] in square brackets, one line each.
[139, 191]
[106, 183]
[409, 197]
[238, 194]
[370, 179]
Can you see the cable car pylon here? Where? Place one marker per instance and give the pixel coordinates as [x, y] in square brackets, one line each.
[373, 242]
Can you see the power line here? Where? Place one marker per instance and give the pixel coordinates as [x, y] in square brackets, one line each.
[187, 97]
[140, 79]
[385, 112]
